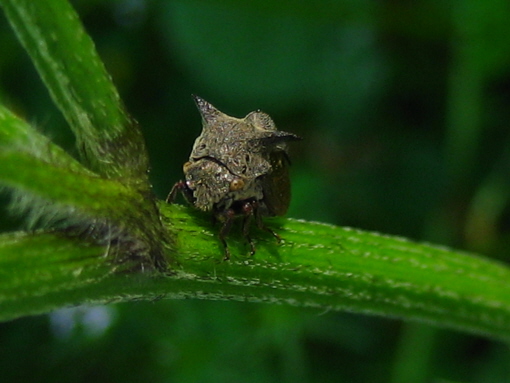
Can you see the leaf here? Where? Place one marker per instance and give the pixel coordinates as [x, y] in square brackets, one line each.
[18, 136]
[67, 61]
[52, 189]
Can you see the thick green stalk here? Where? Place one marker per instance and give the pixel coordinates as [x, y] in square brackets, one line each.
[36, 167]
[50, 187]
[67, 61]
[18, 136]
[116, 197]
[317, 265]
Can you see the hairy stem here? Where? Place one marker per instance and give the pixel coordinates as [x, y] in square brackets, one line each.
[318, 265]
[66, 59]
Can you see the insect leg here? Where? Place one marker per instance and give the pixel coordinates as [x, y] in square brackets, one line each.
[261, 225]
[186, 192]
[228, 219]
[248, 210]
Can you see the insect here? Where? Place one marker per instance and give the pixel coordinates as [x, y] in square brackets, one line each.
[237, 168]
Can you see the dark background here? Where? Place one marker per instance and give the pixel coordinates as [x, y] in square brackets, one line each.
[404, 109]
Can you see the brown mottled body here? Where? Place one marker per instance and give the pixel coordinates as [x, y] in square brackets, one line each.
[237, 167]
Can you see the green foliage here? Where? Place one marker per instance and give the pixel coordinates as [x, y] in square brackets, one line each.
[329, 71]
[78, 84]
[50, 173]
[110, 143]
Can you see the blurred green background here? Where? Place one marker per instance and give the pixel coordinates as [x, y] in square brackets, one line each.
[404, 109]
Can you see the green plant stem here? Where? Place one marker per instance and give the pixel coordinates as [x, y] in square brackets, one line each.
[93, 195]
[52, 187]
[465, 97]
[317, 265]
[52, 193]
[67, 61]
[414, 354]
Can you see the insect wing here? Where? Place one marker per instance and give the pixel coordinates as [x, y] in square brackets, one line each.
[276, 185]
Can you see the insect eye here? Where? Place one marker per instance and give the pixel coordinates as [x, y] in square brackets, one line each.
[186, 166]
[236, 184]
